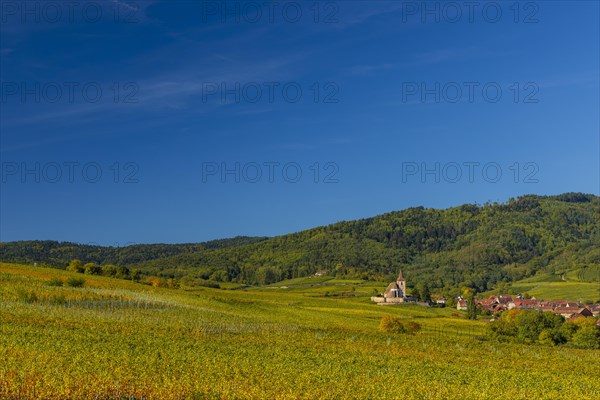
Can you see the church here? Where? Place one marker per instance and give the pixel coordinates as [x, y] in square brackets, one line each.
[395, 293]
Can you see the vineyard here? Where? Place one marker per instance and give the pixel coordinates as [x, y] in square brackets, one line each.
[115, 339]
[586, 274]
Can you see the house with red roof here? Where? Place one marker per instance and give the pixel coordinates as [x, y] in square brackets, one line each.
[572, 312]
[461, 305]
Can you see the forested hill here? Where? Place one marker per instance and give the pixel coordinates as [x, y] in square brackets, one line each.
[470, 245]
[58, 254]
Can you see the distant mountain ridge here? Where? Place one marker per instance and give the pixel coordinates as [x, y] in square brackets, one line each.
[57, 253]
[478, 246]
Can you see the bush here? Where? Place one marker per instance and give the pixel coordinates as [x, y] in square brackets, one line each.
[172, 283]
[152, 281]
[155, 281]
[75, 266]
[136, 275]
[75, 282]
[413, 327]
[122, 273]
[55, 282]
[391, 324]
[110, 270]
[92, 269]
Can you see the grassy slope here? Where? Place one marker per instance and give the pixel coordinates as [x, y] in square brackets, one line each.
[555, 287]
[114, 339]
[575, 291]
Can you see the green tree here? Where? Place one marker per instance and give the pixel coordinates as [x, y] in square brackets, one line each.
[122, 272]
[109, 270]
[265, 276]
[531, 323]
[75, 266]
[92, 269]
[588, 334]
[415, 293]
[547, 337]
[136, 275]
[219, 276]
[567, 331]
[424, 293]
[471, 306]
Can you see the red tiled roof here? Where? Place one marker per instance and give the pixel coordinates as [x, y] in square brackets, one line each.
[505, 298]
[567, 310]
[529, 302]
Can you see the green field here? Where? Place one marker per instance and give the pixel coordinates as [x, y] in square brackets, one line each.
[552, 287]
[588, 274]
[115, 339]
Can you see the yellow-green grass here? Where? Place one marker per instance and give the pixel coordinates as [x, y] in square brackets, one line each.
[328, 286]
[588, 274]
[559, 290]
[119, 339]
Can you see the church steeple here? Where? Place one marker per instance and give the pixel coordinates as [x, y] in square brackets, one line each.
[400, 276]
[401, 283]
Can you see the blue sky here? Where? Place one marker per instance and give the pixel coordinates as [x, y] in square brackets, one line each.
[115, 127]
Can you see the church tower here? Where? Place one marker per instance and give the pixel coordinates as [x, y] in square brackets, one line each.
[401, 283]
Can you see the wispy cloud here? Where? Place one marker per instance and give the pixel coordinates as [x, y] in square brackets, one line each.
[179, 88]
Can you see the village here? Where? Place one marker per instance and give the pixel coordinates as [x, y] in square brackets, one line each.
[395, 293]
[504, 302]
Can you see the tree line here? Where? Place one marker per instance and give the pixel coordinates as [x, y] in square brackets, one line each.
[547, 328]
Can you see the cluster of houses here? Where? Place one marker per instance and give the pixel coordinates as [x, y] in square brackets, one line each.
[395, 293]
[503, 302]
